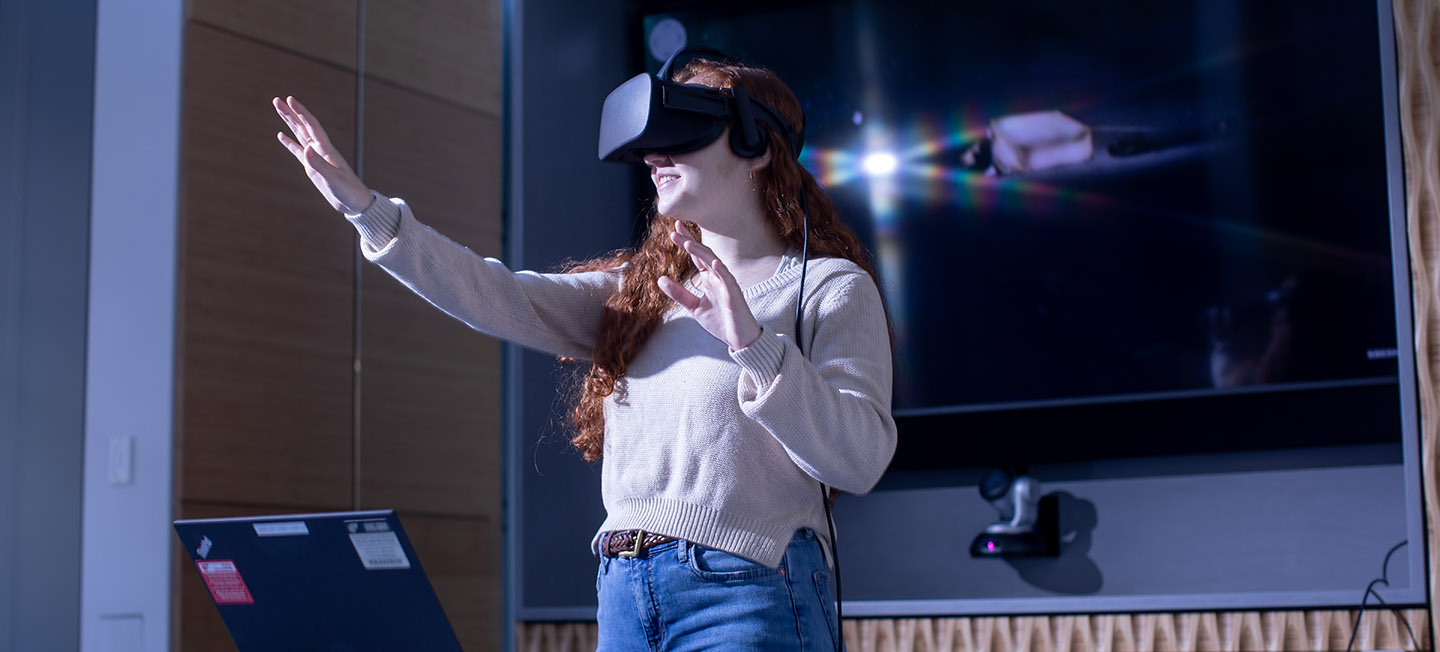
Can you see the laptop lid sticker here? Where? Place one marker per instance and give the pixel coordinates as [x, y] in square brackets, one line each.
[285, 529]
[223, 579]
[377, 545]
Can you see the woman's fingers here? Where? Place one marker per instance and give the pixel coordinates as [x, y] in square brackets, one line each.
[703, 256]
[312, 127]
[307, 125]
[292, 121]
[307, 156]
[284, 111]
[678, 293]
[712, 267]
[308, 133]
[315, 161]
[303, 141]
[290, 144]
[302, 123]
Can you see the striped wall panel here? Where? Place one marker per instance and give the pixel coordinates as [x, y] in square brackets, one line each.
[1274, 631]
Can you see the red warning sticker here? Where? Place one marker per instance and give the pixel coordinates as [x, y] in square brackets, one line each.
[223, 579]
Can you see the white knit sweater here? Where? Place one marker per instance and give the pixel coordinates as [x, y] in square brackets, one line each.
[722, 449]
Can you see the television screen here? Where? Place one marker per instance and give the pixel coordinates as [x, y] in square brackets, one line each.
[1104, 228]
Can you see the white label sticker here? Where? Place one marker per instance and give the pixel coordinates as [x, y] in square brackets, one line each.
[286, 529]
[379, 550]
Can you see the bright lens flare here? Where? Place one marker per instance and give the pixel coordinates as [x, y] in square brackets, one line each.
[880, 164]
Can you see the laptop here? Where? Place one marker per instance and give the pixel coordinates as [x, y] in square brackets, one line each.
[339, 581]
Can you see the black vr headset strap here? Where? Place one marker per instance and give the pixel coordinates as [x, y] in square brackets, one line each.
[750, 140]
[695, 99]
[763, 113]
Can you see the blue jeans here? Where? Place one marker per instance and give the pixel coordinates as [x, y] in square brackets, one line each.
[683, 596]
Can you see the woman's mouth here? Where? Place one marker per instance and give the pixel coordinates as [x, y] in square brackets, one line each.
[665, 180]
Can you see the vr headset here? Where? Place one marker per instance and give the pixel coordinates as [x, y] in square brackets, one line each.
[651, 113]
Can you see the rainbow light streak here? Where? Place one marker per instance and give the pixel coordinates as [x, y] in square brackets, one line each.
[986, 195]
[981, 194]
[831, 167]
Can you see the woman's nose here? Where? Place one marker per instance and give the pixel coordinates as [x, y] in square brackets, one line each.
[655, 159]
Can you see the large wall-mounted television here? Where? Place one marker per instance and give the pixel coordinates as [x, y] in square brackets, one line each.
[1107, 228]
[1200, 251]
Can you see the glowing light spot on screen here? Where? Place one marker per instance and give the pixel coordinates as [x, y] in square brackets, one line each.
[880, 163]
[990, 546]
[857, 118]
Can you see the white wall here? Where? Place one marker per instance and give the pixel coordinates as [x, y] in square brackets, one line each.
[46, 73]
[130, 374]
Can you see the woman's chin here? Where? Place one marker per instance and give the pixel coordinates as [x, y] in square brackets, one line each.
[671, 208]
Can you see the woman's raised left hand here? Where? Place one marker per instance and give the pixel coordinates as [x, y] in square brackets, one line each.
[721, 307]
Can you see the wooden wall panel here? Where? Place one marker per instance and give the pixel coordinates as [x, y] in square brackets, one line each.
[460, 556]
[430, 386]
[444, 159]
[451, 50]
[268, 406]
[320, 29]
[267, 285]
[1275, 631]
[429, 426]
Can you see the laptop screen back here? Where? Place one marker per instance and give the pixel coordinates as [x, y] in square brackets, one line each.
[346, 581]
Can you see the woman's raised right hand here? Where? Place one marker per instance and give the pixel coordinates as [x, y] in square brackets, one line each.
[324, 165]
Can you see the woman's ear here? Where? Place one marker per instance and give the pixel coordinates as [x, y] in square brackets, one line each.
[759, 162]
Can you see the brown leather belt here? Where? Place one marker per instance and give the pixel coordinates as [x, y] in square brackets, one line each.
[631, 543]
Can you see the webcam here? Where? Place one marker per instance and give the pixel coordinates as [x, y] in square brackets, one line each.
[1029, 523]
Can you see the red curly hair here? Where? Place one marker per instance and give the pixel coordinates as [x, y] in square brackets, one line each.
[637, 308]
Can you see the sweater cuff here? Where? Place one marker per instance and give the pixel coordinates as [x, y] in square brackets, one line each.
[762, 358]
[379, 224]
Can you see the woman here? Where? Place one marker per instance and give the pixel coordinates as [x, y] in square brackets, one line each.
[716, 430]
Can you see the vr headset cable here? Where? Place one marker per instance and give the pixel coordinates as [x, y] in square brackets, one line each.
[824, 490]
